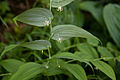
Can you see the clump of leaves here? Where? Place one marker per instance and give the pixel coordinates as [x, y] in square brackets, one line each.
[60, 62]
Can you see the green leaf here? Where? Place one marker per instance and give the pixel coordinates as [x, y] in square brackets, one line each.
[35, 16]
[54, 67]
[68, 55]
[93, 42]
[87, 49]
[27, 71]
[76, 70]
[11, 65]
[94, 8]
[60, 3]
[37, 45]
[107, 55]
[105, 52]
[63, 44]
[63, 32]
[84, 56]
[8, 48]
[6, 78]
[105, 68]
[111, 15]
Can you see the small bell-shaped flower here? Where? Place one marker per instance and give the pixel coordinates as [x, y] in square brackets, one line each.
[60, 9]
[59, 40]
[47, 23]
[46, 67]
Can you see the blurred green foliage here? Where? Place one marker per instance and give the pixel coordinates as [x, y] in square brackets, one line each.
[95, 16]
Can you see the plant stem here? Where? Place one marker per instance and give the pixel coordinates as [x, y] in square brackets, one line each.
[5, 74]
[50, 30]
[49, 53]
[50, 5]
[3, 22]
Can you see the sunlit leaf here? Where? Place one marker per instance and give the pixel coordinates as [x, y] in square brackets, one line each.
[63, 32]
[36, 16]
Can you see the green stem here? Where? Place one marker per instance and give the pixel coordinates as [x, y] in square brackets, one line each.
[50, 30]
[5, 74]
[15, 22]
[49, 53]
[50, 5]
[3, 22]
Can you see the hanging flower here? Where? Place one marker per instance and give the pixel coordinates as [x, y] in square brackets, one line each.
[46, 67]
[60, 9]
[47, 23]
[59, 40]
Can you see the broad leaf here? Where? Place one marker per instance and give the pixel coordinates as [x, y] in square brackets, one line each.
[63, 32]
[8, 48]
[11, 65]
[107, 55]
[54, 67]
[68, 55]
[27, 71]
[93, 42]
[63, 44]
[112, 20]
[105, 52]
[84, 56]
[76, 70]
[105, 68]
[37, 45]
[94, 8]
[87, 49]
[60, 3]
[36, 16]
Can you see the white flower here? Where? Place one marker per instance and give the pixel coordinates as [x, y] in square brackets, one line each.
[60, 9]
[46, 67]
[59, 40]
[47, 23]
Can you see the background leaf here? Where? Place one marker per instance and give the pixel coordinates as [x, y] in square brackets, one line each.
[112, 19]
[94, 8]
[8, 48]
